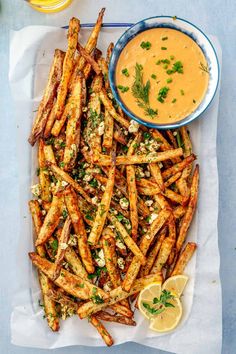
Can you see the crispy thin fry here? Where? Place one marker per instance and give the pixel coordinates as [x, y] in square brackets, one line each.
[62, 245]
[44, 179]
[75, 263]
[156, 174]
[67, 178]
[108, 130]
[105, 316]
[76, 100]
[74, 27]
[104, 68]
[145, 243]
[122, 309]
[51, 220]
[163, 254]
[187, 144]
[179, 211]
[109, 245]
[172, 179]
[109, 107]
[147, 187]
[72, 284]
[145, 270]
[172, 139]
[190, 210]
[175, 197]
[103, 209]
[117, 295]
[178, 167]
[101, 330]
[78, 225]
[88, 58]
[60, 297]
[49, 154]
[49, 124]
[182, 185]
[184, 258]
[37, 221]
[109, 52]
[130, 243]
[161, 200]
[164, 143]
[46, 103]
[139, 159]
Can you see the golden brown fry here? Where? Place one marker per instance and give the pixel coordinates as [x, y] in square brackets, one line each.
[182, 185]
[172, 139]
[74, 27]
[184, 258]
[119, 135]
[147, 187]
[156, 174]
[89, 59]
[145, 270]
[78, 225]
[161, 200]
[72, 284]
[62, 245]
[130, 243]
[44, 179]
[163, 254]
[104, 68]
[51, 220]
[49, 123]
[49, 154]
[117, 295]
[102, 209]
[109, 52]
[105, 316]
[108, 130]
[172, 179]
[190, 210]
[109, 249]
[101, 330]
[165, 146]
[109, 107]
[145, 243]
[75, 263]
[59, 296]
[151, 157]
[67, 178]
[76, 100]
[46, 103]
[121, 309]
[36, 215]
[175, 197]
[179, 211]
[178, 167]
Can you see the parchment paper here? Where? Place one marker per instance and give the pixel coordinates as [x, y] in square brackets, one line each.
[31, 53]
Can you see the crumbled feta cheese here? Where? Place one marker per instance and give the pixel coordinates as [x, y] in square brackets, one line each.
[152, 217]
[44, 212]
[174, 133]
[147, 174]
[139, 172]
[133, 127]
[153, 145]
[40, 201]
[160, 164]
[125, 132]
[151, 208]
[101, 128]
[107, 287]
[121, 263]
[63, 245]
[64, 183]
[73, 148]
[110, 95]
[94, 200]
[149, 202]
[88, 178]
[100, 260]
[72, 240]
[124, 203]
[85, 109]
[120, 244]
[36, 190]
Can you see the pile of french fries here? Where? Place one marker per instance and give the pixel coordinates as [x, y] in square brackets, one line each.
[114, 200]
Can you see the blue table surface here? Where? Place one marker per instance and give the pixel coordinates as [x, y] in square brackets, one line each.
[214, 17]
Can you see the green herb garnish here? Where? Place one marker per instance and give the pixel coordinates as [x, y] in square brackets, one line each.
[163, 48]
[177, 67]
[169, 80]
[204, 68]
[164, 38]
[145, 45]
[162, 302]
[93, 183]
[182, 92]
[125, 72]
[123, 89]
[97, 299]
[174, 100]
[162, 94]
[153, 76]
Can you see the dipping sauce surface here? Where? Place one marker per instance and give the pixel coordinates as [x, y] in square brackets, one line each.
[162, 75]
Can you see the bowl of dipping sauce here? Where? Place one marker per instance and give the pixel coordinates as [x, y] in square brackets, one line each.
[164, 72]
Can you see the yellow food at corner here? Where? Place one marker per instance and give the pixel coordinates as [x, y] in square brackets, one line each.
[48, 6]
[172, 70]
[161, 303]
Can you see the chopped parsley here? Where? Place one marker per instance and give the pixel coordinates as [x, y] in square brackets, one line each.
[163, 48]
[182, 92]
[145, 45]
[162, 94]
[97, 299]
[164, 38]
[174, 100]
[153, 76]
[123, 89]
[176, 68]
[162, 302]
[125, 72]
[169, 80]
[93, 183]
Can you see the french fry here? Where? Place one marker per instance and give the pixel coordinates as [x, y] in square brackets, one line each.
[49, 154]
[147, 187]
[187, 150]
[179, 211]
[165, 250]
[101, 330]
[60, 297]
[139, 159]
[89, 59]
[62, 245]
[51, 220]
[184, 258]
[165, 146]
[106, 316]
[67, 178]
[190, 210]
[118, 294]
[175, 197]
[182, 185]
[178, 167]
[156, 174]
[108, 130]
[102, 209]
[49, 124]
[173, 179]
[75, 263]
[109, 52]
[46, 103]
[172, 139]
[71, 283]
[130, 243]
[104, 68]
[44, 180]
[145, 243]
[122, 309]
[161, 200]
[74, 27]
[76, 100]
[108, 245]
[145, 270]
[78, 225]
[37, 221]
[119, 135]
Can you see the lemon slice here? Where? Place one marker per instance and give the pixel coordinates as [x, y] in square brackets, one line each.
[146, 297]
[175, 284]
[169, 318]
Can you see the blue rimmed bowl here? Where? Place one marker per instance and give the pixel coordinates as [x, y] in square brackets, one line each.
[192, 31]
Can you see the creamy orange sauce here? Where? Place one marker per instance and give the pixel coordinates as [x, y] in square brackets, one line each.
[184, 91]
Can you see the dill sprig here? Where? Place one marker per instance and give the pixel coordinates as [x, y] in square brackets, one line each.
[141, 91]
[204, 68]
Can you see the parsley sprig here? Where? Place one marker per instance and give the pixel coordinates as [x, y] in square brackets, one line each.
[162, 302]
[141, 91]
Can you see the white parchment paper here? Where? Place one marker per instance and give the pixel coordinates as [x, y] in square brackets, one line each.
[31, 53]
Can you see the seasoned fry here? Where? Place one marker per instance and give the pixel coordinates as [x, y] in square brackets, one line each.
[51, 220]
[101, 330]
[105, 316]
[108, 245]
[103, 209]
[74, 27]
[109, 52]
[88, 58]
[123, 310]
[165, 146]
[139, 159]
[44, 179]
[175, 197]
[184, 258]
[165, 250]
[75, 263]
[179, 211]
[46, 103]
[147, 187]
[173, 179]
[117, 295]
[190, 210]
[78, 225]
[178, 167]
[172, 138]
[49, 154]
[108, 130]
[156, 174]
[119, 135]
[60, 297]
[182, 185]
[72, 284]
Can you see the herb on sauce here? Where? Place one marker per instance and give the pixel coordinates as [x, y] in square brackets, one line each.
[204, 68]
[125, 72]
[145, 45]
[169, 80]
[141, 91]
[153, 76]
[164, 38]
[162, 94]
[177, 67]
[182, 92]
[163, 48]
[123, 89]
[174, 100]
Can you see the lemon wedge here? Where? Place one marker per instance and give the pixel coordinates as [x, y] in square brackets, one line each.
[146, 296]
[175, 284]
